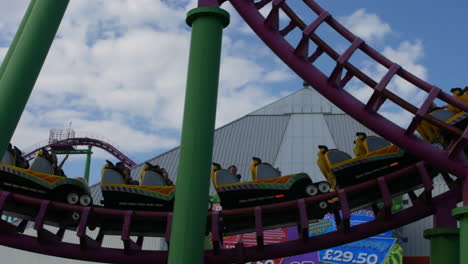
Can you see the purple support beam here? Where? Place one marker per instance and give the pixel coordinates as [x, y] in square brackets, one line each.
[272, 20]
[377, 98]
[346, 213]
[335, 77]
[217, 239]
[425, 107]
[167, 236]
[287, 29]
[443, 214]
[303, 222]
[386, 196]
[259, 226]
[209, 2]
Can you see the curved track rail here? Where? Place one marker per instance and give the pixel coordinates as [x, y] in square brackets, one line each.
[301, 60]
[86, 141]
[298, 57]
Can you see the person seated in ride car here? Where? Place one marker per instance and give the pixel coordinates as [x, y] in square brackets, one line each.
[20, 161]
[459, 94]
[125, 172]
[166, 178]
[233, 170]
[58, 168]
[128, 179]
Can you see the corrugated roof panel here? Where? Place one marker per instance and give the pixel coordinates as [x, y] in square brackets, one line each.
[343, 129]
[96, 194]
[303, 101]
[258, 136]
[298, 152]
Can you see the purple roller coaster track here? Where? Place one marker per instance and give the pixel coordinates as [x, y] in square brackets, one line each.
[300, 57]
[85, 141]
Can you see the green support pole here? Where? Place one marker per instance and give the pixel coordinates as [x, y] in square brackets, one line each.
[444, 245]
[461, 213]
[193, 179]
[24, 62]
[88, 163]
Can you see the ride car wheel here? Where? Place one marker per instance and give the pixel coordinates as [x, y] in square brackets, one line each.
[85, 200]
[324, 187]
[72, 198]
[311, 190]
[323, 205]
[76, 216]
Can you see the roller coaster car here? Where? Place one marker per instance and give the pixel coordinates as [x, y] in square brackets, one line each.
[153, 194]
[375, 157]
[449, 115]
[39, 181]
[13, 156]
[268, 186]
[9, 157]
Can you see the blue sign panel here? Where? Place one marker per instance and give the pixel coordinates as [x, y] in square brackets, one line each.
[372, 250]
[368, 251]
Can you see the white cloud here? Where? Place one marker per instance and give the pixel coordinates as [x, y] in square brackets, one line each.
[118, 68]
[242, 102]
[401, 118]
[11, 14]
[277, 75]
[407, 54]
[367, 26]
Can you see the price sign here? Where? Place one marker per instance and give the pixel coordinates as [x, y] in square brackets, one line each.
[348, 257]
[373, 250]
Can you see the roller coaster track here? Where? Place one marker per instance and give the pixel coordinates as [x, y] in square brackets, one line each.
[85, 141]
[89, 248]
[298, 58]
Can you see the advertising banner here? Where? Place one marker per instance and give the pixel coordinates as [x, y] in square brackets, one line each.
[380, 249]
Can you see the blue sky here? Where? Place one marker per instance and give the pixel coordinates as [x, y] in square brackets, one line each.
[440, 26]
[118, 68]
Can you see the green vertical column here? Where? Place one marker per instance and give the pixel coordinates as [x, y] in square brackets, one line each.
[88, 163]
[444, 237]
[461, 213]
[191, 199]
[444, 245]
[24, 61]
